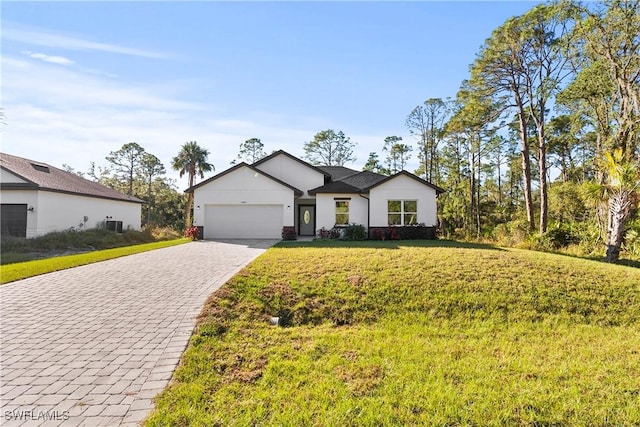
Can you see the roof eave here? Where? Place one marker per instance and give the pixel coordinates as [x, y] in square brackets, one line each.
[296, 191]
[279, 152]
[437, 189]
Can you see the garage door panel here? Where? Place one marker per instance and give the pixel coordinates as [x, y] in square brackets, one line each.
[243, 221]
[13, 221]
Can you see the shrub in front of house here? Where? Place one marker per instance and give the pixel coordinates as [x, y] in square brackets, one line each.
[384, 233]
[407, 232]
[326, 233]
[289, 233]
[354, 232]
[192, 233]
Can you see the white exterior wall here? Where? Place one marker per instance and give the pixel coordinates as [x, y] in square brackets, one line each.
[403, 188]
[293, 173]
[59, 211]
[326, 210]
[243, 186]
[8, 177]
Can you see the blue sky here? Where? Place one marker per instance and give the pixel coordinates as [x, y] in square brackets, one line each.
[80, 79]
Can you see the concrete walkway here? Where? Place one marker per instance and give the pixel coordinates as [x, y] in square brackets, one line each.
[93, 345]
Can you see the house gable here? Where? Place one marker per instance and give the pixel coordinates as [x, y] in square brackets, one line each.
[408, 175]
[254, 183]
[8, 177]
[293, 171]
[243, 177]
[403, 186]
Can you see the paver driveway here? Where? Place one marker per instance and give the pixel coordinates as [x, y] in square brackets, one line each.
[94, 344]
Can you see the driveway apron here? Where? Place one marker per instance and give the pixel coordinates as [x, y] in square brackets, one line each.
[93, 345]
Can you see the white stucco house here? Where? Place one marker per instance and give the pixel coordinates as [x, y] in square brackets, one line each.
[37, 198]
[280, 190]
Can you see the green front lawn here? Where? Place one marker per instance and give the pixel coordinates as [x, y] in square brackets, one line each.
[413, 333]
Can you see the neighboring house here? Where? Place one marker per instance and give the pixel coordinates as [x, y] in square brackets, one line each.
[258, 200]
[38, 198]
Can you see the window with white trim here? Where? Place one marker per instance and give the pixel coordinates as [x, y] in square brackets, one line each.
[402, 212]
[342, 212]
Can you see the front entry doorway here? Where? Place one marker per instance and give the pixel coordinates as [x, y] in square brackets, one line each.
[307, 220]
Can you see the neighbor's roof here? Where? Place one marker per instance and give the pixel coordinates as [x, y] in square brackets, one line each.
[42, 176]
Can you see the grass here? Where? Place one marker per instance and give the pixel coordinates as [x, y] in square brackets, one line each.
[413, 333]
[23, 270]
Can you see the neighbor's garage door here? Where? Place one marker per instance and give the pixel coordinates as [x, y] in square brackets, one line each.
[243, 221]
[13, 220]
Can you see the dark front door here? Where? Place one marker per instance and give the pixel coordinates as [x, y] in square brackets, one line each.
[13, 220]
[307, 220]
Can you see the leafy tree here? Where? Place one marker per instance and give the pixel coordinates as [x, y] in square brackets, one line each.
[329, 148]
[426, 122]
[251, 150]
[496, 73]
[562, 143]
[126, 162]
[606, 90]
[610, 40]
[397, 153]
[374, 165]
[70, 169]
[150, 167]
[191, 160]
[622, 185]
[472, 121]
[170, 204]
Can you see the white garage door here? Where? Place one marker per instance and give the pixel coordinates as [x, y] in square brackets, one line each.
[243, 221]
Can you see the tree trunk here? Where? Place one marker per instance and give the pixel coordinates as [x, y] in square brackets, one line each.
[187, 216]
[620, 204]
[149, 204]
[542, 164]
[187, 222]
[526, 170]
[478, 183]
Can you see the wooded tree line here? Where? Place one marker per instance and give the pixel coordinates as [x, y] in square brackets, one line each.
[543, 136]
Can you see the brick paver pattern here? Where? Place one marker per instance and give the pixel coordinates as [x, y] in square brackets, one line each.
[93, 345]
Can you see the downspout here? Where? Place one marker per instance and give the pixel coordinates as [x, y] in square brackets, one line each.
[368, 213]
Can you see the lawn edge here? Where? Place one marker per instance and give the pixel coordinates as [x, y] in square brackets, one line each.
[26, 269]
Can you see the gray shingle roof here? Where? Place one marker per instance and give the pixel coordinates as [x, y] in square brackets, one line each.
[338, 173]
[42, 176]
[342, 182]
[364, 179]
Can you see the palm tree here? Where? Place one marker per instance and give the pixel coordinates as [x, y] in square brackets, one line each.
[622, 184]
[191, 160]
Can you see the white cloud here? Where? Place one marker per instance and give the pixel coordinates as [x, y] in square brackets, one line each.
[57, 87]
[60, 60]
[63, 115]
[41, 37]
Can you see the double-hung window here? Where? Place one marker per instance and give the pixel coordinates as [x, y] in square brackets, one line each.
[342, 212]
[402, 212]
